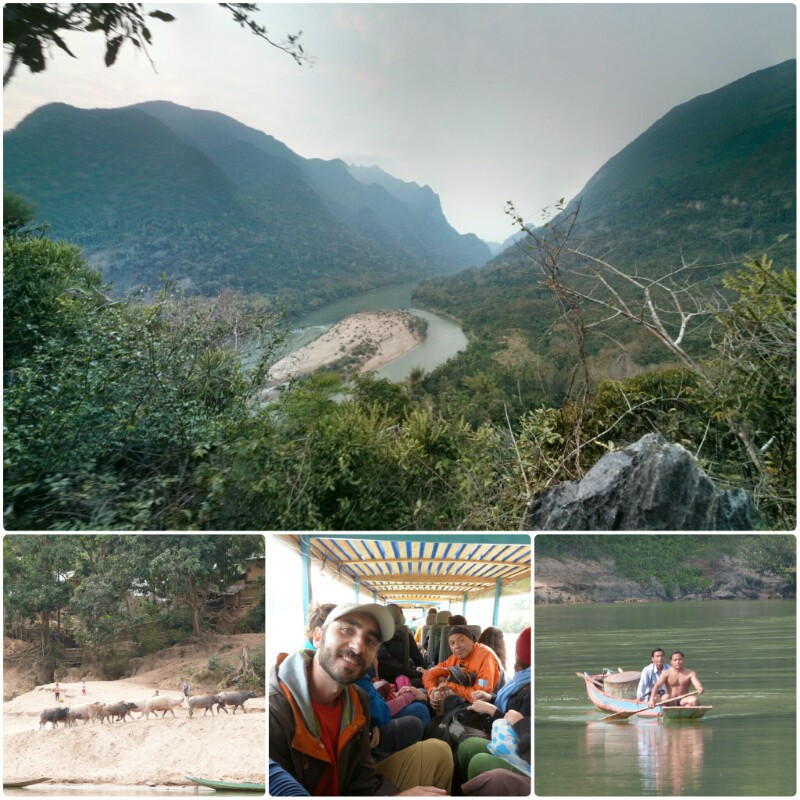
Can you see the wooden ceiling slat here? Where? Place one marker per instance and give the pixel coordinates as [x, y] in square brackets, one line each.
[426, 579]
[422, 570]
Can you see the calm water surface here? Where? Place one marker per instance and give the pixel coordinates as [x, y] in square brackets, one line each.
[744, 653]
[443, 340]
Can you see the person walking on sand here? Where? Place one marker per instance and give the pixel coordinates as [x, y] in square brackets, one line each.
[83, 687]
[185, 687]
[58, 693]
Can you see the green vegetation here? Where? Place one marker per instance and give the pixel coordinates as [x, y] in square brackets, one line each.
[110, 405]
[157, 189]
[123, 415]
[677, 561]
[601, 327]
[117, 596]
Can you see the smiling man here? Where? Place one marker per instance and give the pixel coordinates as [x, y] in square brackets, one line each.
[471, 667]
[676, 681]
[319, 721]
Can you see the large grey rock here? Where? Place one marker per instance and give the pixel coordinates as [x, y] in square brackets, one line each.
[650, 485]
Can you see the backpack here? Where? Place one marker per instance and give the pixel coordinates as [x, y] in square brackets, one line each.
[457, 722]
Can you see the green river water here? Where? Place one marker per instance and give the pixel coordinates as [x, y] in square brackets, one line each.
[443, 339]
[745, 655]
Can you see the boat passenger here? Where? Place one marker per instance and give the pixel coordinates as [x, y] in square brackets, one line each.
[515, 695]
[650, 674]
[394, 724]
[282, 784]
[495, 638]
[676, 682]
[470, 668]
[391, 654]
[319, 721]
[476, 756]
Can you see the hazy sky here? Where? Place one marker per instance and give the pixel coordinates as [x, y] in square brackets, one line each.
[484, 103]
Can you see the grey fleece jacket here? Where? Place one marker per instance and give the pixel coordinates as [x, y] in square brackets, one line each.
[294, 732]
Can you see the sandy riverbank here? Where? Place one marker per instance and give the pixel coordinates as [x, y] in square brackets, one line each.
[369, 339]
[158, 751]
[155, 752]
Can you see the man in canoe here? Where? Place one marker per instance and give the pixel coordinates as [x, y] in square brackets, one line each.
[650, 674]
[676, 682]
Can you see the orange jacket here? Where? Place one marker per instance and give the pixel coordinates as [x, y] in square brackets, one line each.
[481, 660]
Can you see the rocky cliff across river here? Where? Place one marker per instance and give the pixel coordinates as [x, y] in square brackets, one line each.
[571, 580]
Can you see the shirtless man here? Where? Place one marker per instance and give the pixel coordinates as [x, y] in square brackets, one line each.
[676, 682]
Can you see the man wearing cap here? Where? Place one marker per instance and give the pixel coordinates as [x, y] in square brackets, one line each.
[319, 720]
[471, 667]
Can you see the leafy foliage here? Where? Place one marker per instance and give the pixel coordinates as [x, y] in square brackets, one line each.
[30, 29]
[778, 555]
[17, 213]
[110, 405]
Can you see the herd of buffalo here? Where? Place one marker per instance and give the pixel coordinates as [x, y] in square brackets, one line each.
[125, 708]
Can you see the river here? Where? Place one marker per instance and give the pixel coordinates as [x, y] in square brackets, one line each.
[744, 653]
[443, 340]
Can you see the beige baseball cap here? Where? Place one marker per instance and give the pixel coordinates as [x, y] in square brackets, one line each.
[381, 614]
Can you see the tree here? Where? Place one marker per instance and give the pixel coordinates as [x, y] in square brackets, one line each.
[111, 405]
[749, 386]
[775, 554]
[17, 213]
[188, 567]
[30, 29]
[36, 569]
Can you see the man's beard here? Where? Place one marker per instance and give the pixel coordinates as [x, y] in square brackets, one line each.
[336, 669]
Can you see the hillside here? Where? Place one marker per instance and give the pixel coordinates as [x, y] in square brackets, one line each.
[632, 568]
[156, 751]
[713, 180]
[194, 195]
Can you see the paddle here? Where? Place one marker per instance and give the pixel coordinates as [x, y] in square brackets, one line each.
[626, 714]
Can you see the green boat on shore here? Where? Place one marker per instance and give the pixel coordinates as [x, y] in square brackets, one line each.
[229, 786]
[21, 784]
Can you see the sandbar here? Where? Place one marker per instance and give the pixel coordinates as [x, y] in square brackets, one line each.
[368, 339]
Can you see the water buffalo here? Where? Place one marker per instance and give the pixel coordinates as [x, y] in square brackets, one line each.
[54, 715]
[206, 701]
[156, 704]
[119, 710]
[93, 712]
[234, 699]
[138, 705]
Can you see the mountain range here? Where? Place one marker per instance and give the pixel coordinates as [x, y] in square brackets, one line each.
[159, 188]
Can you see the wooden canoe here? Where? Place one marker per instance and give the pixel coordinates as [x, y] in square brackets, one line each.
[20, 784]
[678, 713]
[611, 704]
[229, 786]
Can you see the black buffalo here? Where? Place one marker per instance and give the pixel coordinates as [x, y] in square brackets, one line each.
[235, 699]
[54, 715]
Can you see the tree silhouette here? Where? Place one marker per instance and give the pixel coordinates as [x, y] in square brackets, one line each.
[31, 29]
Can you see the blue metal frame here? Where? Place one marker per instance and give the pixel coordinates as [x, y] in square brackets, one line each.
[474, 538]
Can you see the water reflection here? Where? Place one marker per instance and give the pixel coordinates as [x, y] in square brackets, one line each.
[669, 757]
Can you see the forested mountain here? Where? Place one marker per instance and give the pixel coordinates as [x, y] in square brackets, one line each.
[158, 188]
[712, 181]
